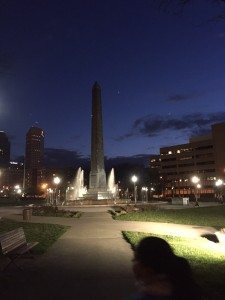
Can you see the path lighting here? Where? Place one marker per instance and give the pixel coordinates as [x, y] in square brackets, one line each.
[219, 182]
[219, 196]
[197, 186]
[195, 179]
[56, 181]
[134, 180]
[145, 192]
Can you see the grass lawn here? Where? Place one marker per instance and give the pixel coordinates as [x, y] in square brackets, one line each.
[45, 234]
[202, 216]
[206, 258]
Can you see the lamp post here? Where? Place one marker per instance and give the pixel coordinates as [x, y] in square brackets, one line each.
[134, 180]
[219, 184]
[197, 185]
[144, 190]
[56, 181]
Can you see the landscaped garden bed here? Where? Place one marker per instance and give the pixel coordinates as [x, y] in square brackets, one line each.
[53, 211]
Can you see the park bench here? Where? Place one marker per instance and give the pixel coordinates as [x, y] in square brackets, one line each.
[14, 245]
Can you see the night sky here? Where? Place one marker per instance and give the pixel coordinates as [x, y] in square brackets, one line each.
[162, 74]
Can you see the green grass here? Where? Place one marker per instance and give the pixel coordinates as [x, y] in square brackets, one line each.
[206, 258]
[45, 234]
[202, 216]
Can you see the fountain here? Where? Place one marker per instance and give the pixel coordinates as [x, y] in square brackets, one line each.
[77, 189]
[112, 187]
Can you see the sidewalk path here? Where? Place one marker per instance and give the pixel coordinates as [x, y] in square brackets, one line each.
[90, 261]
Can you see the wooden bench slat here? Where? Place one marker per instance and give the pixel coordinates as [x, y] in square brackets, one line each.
[14, 245]
[23, 249]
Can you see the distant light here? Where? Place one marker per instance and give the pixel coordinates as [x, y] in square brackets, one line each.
[16, 186]
[56, 180]
[169, 152]
[195, 179]
[178, 151]
[44, 186]
[219, 182]
[198, 186]
[134, 178]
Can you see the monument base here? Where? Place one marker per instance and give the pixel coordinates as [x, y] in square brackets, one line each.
[98, 194]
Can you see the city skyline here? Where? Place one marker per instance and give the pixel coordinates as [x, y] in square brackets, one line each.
[161, 75]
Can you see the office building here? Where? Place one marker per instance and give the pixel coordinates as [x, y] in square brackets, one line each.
[203, 156]
[34, 156]
[4, 150]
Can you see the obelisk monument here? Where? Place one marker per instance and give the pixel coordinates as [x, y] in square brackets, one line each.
[97, 178]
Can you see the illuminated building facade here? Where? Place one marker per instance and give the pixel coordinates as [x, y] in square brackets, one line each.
[203, 156]
[34, 156]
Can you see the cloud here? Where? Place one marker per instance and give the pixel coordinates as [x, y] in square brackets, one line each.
[153, 125]
[181, 97]
[123, 137]
[63, 158]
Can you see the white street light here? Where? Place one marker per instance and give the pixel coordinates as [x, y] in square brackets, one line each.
[219, 196]
[56, 181]
[219, 182]
[145, 189]
[134, 180]
[196, 181]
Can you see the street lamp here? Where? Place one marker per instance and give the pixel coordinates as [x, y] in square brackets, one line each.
[134, 180]
[196, 181]
[56, 181]
[145, 193]
[218, 184]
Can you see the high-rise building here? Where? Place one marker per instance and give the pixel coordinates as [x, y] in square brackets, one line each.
[4, 150]
[34, 159]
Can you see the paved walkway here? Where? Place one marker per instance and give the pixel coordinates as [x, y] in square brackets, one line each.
[90, 261]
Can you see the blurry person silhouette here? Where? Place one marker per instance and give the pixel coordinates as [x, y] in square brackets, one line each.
[162, 275]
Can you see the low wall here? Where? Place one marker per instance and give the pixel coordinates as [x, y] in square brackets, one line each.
[98, 202]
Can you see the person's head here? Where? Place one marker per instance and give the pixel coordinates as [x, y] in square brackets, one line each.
[154, 260]
[154, 252]
[152, 257]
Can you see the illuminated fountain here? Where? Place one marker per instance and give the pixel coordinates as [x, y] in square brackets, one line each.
[112, 187]
[77, 190]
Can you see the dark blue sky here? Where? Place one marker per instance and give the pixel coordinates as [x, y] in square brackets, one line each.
[162, 75]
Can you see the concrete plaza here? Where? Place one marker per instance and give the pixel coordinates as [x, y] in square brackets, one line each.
[90, 261]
